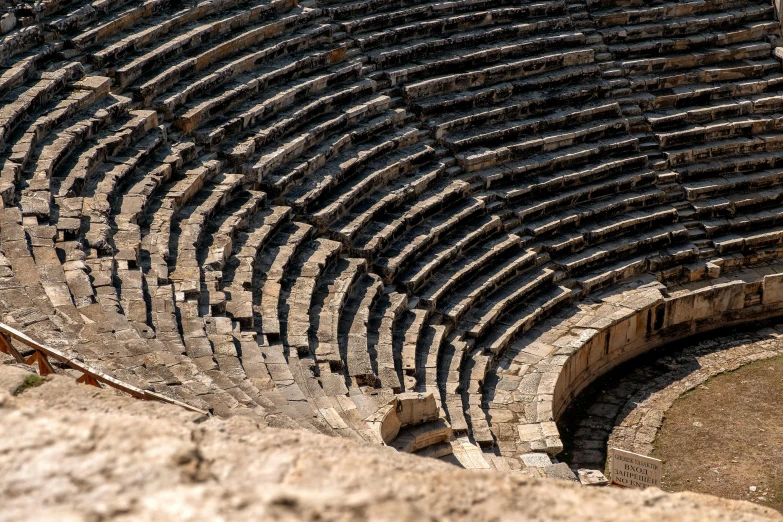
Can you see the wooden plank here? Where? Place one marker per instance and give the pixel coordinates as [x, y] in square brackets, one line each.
[94, 374]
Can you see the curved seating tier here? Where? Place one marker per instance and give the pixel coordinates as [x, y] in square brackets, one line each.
[310, 212]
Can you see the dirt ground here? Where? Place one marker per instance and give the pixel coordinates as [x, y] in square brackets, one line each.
[725, 438]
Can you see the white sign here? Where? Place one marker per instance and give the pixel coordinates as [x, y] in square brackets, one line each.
[632, 470]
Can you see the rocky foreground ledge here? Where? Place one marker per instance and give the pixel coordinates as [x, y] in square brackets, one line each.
[71, 452]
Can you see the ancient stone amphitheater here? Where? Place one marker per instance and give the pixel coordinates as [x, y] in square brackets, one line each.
[427, 224]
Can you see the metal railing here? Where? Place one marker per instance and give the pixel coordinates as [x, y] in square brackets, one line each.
[41, 355]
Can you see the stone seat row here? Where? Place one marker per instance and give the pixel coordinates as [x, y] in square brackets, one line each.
[275, 38]
[445, 251]
[748, 242]
[232, 221]
[453, 104]
[610, 228]
[483, 316]
[175, 196]
[39, 141]
[295, 118]
[278, 101]
[353, 341]
[496, 280]
[589, 132]
[404, 163]
[692, 44]
[86, 165]
[492, 108]
[279, 80]
[642, 66]
[406, 15]
[330, 300]
[707, 83]
[546, 165]
[546, 194]
[762, 103]
[379, 232]
[688, 25]
[113, 159]
[361, 9]
[731, 184]
[742, 145]
[363, 122]
[97, 207]
[317, 256]
[515, 130]
[735, 204]
[620, 16]
[119, 21]
[427, 36]
[209, 34]
[146, 23]
[465, 287]
[509, 296]
[422, 237]
[285, 172]
[273, 263]
[694, 86]
[281, 47]
[239, 271]
[23, 100]
[477, 55]
[23, 69]
[350, 153]
[500, 73]
[57, 148]
[598, 209]
[193, 221]
[742, 222]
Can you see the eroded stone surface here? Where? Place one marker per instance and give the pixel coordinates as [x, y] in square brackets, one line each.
[103, 455]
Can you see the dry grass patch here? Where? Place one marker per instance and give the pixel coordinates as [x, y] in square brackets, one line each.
[725, 437]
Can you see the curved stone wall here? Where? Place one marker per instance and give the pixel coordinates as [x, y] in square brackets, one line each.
[566, 354]
[634, 322]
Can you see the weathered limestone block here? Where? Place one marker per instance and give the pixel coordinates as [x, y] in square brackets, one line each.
[541, 437]
[772, 289]
[7, 23]
[415, 408]
[535, 460]
[385, 422]
[415, 438]
[592, 477]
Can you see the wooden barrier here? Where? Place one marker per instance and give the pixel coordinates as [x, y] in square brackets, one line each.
[42, 354]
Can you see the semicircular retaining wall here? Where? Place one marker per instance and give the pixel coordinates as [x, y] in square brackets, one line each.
[629, 324]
